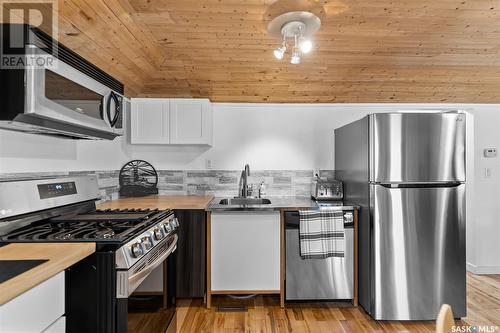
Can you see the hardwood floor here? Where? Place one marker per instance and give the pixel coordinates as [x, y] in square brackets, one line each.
[148, 322]
[483, 300]
[264, 314]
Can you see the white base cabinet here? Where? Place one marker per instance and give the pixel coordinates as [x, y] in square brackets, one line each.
[181, 121]
[36, 310]
[245, 251]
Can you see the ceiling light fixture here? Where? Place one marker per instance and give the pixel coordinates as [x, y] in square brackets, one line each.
[299, 26]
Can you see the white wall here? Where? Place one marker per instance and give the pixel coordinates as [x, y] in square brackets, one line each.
[268, 136]
[483, 228]
[276, 136]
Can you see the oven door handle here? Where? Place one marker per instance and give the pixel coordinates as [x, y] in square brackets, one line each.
[146, 271]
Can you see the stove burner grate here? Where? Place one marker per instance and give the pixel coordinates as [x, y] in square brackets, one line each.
[107, 233]
[99, 225]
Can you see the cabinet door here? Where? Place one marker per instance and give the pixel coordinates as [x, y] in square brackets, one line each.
[35, 309]
[191, 121]
[245, 251]
[150, 121]
[190, 264]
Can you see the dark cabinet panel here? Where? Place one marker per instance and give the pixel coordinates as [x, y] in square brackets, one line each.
[191, 264]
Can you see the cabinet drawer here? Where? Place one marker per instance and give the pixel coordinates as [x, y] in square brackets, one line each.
[36, 309]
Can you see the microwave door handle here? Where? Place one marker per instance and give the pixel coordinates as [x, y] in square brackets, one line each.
[101, 107]
[112, 96]
[118, 110]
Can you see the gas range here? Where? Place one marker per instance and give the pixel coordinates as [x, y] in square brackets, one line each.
[130, 244]
[97, 226]
[131, 232]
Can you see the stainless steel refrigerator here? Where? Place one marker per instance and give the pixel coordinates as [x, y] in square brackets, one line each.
[407, 171]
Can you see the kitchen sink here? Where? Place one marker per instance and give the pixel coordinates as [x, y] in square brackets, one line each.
[244, 201]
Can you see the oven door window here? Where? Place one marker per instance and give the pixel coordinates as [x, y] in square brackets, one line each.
[73, 96]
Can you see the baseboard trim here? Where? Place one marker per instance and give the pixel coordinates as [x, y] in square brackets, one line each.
[483, 269]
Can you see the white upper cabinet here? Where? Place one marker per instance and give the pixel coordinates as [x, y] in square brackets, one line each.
[150, 121]
[190, 121]
[171, 121]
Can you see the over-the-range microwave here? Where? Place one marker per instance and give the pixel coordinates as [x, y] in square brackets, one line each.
[57, 93]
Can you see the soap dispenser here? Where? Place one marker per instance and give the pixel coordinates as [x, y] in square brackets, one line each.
[262, 190]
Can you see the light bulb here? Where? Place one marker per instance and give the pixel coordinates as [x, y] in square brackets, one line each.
[279, 53]
[305, 45]
[295, 59]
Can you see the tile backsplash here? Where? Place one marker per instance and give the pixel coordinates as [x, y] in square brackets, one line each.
[201, 182]
[225, 182]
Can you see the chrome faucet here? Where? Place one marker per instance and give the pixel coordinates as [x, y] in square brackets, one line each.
[244, 181]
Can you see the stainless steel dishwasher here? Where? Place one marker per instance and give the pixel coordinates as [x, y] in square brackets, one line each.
[318, 279]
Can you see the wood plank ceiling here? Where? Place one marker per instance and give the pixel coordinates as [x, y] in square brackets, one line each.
[365, 51]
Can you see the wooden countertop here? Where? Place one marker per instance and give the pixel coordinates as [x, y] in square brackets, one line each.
[60, 256]
[159, 202]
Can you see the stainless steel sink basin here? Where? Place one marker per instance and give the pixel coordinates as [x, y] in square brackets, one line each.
[244, 201]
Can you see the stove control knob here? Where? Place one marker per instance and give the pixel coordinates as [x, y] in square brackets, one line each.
[175, 222]
[167, 227]
[147, 242]
[158, 233]
[136, 250]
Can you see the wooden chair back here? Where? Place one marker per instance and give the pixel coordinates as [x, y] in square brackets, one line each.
[445, 320]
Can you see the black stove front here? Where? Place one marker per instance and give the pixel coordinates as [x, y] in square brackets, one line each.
[92, 305]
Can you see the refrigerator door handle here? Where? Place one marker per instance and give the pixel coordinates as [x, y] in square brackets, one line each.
[419, 185]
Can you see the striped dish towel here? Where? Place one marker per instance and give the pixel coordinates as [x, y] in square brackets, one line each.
[321, 234]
